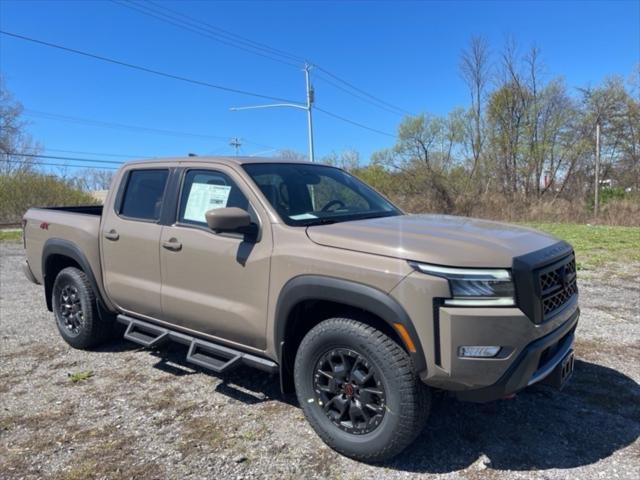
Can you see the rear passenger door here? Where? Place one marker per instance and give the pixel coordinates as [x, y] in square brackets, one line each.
[130, 241]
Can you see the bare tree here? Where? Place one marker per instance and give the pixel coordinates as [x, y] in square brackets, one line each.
[288, 154]
[92, 179]
[475, 70]
[16, 145]
[348, 159]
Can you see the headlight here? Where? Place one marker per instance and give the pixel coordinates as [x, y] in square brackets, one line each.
[474, 286]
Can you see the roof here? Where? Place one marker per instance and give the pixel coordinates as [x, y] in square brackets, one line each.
[218, 159]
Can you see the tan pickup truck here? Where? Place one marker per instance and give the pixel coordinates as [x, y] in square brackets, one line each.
[301, 269]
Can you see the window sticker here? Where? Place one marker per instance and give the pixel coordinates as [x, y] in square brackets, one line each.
[204, 197]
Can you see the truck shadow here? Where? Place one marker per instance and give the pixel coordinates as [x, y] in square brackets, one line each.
[597, 414]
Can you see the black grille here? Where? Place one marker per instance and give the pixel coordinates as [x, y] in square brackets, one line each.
[557, 285]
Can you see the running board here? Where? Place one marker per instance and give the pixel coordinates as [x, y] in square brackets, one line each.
[209, 355]
[214, 357]
[145, 334]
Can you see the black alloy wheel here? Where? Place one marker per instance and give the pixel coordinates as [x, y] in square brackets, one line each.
[70, 309]
[76, 310]
[350, 390]
[359, 390]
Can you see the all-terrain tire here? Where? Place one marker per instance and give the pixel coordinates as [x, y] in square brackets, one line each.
[406, 398]
[76, 310]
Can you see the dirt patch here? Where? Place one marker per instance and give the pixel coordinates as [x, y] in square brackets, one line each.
[148, 415]
[598, 349]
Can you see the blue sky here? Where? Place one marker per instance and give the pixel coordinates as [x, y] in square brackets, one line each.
[406, 53]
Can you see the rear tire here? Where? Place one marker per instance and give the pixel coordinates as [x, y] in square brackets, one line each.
[76, 310]
[343, 365]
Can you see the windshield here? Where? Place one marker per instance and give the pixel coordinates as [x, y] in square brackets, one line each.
[304, 194]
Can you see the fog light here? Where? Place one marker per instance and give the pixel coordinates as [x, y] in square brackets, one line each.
[478, 352]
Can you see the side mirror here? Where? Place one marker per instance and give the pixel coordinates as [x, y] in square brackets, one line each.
[228, 219]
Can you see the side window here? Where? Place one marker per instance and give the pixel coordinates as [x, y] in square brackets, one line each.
[204, 190]
[143, 194]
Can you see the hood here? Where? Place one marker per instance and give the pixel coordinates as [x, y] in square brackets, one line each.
[436, 239]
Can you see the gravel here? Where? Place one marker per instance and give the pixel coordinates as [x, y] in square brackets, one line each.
[147, 415]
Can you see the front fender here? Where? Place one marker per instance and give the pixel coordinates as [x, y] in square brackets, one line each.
[353, 294]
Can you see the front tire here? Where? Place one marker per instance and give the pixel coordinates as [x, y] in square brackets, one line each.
[359, 391]
[76, 310]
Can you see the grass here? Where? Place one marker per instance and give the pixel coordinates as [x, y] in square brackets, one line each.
[597, 245]
[80, 376]
[10, 235]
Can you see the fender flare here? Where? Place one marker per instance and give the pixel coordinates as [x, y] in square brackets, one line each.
[59, 246]
[353, 294]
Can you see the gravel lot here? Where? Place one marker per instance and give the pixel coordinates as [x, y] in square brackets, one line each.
[149, 415]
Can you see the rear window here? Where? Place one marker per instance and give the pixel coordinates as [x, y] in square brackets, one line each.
[143, 194]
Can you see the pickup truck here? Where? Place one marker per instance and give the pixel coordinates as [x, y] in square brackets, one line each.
[302, 270]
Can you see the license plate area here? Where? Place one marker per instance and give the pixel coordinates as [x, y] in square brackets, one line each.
[562, 373]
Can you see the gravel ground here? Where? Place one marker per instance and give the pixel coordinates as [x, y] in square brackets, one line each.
[149, 415]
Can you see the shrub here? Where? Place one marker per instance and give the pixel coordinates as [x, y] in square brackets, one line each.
[22, 190]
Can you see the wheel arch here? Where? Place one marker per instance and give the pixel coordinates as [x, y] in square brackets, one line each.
[334, 296]
[58, 254]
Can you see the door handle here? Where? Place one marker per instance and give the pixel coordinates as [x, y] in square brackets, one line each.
[112, 235]
[173, 245]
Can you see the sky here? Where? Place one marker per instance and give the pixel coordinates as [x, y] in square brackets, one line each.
[405, 53]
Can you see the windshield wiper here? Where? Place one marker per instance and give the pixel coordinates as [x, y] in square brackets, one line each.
[320, 221]
[376, 215]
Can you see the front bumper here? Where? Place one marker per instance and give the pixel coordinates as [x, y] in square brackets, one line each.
[527, 352]
[534, 363]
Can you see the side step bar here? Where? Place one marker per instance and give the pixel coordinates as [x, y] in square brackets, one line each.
[209, 355]
[146, 334]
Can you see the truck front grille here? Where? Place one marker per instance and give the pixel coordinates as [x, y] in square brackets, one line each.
[557, 285]
[545, 281]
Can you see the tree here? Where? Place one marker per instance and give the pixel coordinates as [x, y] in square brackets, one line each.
[16, 145]
[294, 155]
[475, 70]
[348, 159]
[91, 179]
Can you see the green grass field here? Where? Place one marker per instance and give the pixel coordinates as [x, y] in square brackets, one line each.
[597, 245]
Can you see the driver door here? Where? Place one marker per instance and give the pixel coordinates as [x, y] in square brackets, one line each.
[215, 283]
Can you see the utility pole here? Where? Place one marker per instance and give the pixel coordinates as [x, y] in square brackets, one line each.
[597, 186]
[310, 99]
[308, 105]
[236, 143]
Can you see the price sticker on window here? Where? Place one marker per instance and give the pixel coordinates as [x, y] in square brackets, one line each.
[204, 197]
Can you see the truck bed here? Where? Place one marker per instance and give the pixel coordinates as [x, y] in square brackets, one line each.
[85, 209]
[78, 225]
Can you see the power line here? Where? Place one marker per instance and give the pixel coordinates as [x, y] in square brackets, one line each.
[352, 122]
[143, 69]
[232, 40]
[128, 127]
[357, 89]
[360, 97]
[119, 126]
[190, 25]
[234, 36]
[80, 152]
[48, 164]
[55, 157]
